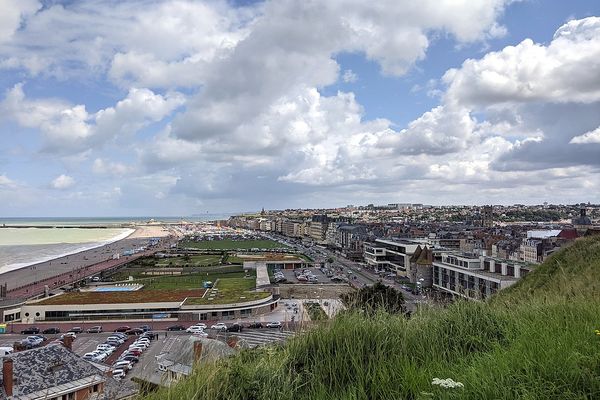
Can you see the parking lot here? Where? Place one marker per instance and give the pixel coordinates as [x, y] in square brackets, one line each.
[290, 275]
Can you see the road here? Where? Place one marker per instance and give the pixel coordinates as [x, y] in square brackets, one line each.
[359, 275]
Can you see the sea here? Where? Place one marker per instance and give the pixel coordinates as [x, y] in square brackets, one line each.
[27, 241]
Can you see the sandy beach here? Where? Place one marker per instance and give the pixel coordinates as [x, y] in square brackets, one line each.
[26, 281]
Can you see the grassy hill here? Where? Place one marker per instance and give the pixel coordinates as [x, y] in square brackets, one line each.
[534, 341]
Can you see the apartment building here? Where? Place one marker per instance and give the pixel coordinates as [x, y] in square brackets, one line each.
[390, 255]
[474, 277]
[318, 228]
[540, 244]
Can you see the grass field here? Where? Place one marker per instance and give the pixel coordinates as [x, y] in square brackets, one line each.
[231, 291]
[188, 281]
[139, 273]
[191, 261]
[535, 341]
[231, 244]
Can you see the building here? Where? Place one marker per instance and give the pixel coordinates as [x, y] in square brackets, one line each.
[583, 222]
[318, 228]
[393, 256]
[488, 217]
[540, 244]
[179, 363]
[174, 305]
[473, 277]
[55, 372]
[421, 267]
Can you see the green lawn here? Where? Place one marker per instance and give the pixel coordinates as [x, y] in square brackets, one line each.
[191, 261]
[187, 281]
[231, 291]
[231, 244]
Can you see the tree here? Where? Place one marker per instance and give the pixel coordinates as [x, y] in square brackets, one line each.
[371, 299]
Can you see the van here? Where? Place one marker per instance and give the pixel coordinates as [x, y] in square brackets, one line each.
[4, 351]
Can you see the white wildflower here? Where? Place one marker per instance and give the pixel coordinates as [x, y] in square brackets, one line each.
[447, 383]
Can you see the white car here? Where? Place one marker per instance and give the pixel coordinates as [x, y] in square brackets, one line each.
[124, 365]
[219, 326]
[200, 325]
[118, 374]
[274, 324]
[101, 357]
[194, 329]
[200, 333]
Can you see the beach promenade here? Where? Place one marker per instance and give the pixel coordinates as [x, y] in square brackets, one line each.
[30, 281]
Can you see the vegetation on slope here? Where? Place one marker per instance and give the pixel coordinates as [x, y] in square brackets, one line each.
[535, 341]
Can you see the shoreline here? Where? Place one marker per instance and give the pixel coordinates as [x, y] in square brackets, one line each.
[91, 246]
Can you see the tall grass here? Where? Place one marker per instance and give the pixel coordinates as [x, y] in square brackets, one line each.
[536, 341]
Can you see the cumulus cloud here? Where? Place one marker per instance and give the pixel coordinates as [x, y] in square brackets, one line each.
[564, 71]
[62, 182]
[588, 137]
[12, 15]
[255, 119]
[69, 128]
[77, 38]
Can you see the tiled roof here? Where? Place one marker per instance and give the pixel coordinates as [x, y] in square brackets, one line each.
[49, 370]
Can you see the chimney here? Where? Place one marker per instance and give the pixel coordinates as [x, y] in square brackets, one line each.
[197, 350]
[68, 342]
[7, 376]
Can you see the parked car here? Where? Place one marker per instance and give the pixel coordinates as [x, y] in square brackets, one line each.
[132, 358]
[255, 325]
[145, 328]
[125, 365]
[95, 329]
[201, 325]
[235, 328]
[76, 329]
[123, 329]
[220, 326]
[70, 334]
[118, 374]
[32, 330]
[51, 331]
[115, 338]
[134, 332]
[194, 329]
[176, 328]
[274, 324]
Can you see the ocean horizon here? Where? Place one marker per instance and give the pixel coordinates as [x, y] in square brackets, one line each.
[108, 221]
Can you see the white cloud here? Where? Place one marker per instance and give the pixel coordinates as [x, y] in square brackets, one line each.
[102, 167]
[12, 15]
[566, 70]
[69, 129]
[349, 76]
[5, 181]
[588, 137]
[62, 182]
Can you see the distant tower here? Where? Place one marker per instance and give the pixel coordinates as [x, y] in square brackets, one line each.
[263, 211]
[488, 217]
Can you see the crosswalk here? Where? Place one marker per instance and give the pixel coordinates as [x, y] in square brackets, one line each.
[255, 338]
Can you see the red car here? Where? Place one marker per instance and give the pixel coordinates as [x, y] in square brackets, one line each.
[123, 329]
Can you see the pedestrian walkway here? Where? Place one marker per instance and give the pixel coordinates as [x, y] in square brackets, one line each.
[255, 338]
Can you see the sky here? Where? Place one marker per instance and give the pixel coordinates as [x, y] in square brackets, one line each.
[146, 107]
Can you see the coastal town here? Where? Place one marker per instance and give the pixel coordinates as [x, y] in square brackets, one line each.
[148, 309]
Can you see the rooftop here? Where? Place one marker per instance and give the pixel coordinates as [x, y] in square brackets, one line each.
[141, 296]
